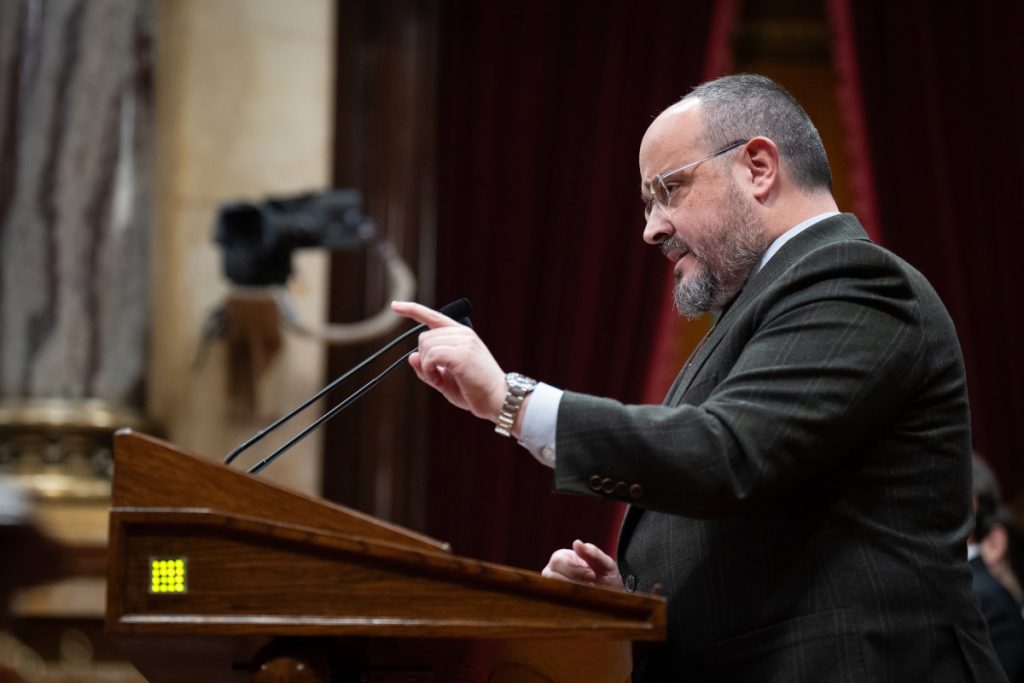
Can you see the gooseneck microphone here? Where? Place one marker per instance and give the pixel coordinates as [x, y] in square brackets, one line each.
[457, 310]
[358, 393]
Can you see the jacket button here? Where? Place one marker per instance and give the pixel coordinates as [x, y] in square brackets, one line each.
[595, 482]
[631, 583]
[607, 485]
[636, 491]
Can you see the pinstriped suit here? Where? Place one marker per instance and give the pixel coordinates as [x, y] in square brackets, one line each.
[803, 494]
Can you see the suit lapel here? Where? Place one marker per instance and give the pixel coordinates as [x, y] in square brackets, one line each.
[696, 361]
[843, 226]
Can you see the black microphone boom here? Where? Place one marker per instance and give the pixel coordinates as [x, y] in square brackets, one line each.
[459, 310]
[357, 394]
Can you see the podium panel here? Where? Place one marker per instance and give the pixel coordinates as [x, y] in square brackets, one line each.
[217, 575]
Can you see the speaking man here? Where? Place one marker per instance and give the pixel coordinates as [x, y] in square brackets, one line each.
[802, 496]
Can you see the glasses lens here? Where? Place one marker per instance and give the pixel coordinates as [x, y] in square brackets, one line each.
[661, 193]
[659, 197]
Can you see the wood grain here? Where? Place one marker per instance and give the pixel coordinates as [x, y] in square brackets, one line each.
[267, 566]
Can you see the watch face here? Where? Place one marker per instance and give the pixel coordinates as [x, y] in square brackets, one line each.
[520, 382]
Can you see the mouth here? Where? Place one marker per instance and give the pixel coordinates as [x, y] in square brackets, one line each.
[676, 255]
[675, 251]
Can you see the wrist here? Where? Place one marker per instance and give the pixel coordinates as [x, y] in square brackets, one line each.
[518, 390]
[517, 426]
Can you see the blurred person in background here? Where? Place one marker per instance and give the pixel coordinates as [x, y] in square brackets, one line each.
[994, 580]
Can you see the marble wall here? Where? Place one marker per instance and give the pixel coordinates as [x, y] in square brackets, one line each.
[124, 125]
[244, 110]
[76, 139]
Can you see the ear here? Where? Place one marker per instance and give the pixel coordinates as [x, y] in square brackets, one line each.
[994, 545]
[760, 159]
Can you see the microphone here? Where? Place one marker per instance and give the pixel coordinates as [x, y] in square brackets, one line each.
[459, 310]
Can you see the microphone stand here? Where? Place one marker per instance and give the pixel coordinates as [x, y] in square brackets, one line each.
[458, 309]
[358, 393]
[280, 421]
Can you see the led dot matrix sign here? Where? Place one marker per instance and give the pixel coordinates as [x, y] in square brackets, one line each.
[167, 575]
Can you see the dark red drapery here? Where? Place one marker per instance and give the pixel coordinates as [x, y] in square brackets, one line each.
[942, 95]
[542, 107]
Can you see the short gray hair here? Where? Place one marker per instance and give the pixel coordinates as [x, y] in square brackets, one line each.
[744, 106]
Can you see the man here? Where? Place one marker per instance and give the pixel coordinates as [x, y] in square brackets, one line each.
[802, 496]
[992, 577]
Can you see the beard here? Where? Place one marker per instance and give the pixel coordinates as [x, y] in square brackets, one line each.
[726, 252]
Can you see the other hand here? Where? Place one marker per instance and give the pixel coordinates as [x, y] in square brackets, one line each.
[583, 562]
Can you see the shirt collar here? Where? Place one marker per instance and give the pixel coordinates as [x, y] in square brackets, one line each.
[790, 234]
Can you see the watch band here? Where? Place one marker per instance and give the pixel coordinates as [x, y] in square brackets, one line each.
[519, 387]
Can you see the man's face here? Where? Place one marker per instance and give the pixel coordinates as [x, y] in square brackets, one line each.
[725, 249]
[709, 229]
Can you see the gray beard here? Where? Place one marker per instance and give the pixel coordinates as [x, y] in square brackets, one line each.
[695, 295]
[726, 254]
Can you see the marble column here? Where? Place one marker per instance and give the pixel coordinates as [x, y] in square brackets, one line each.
[76, 98]
[76, 150]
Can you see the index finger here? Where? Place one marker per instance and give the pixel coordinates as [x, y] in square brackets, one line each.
[422, 314]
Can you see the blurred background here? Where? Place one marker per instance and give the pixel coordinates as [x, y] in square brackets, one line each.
[491, 150]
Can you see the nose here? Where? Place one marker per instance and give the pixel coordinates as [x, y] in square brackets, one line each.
[658, 228]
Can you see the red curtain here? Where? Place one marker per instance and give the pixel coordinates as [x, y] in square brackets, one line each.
[542, 107]
[941, 92]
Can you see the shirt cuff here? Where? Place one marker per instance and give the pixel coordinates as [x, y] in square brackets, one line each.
[540, 420]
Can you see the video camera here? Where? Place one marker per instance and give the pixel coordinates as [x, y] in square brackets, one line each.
[258, 239]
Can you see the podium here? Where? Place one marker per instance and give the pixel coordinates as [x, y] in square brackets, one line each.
[217, 575]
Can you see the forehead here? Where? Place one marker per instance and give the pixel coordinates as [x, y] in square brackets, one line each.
[671, 139]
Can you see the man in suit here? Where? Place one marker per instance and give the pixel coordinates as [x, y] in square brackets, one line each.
[802, 496]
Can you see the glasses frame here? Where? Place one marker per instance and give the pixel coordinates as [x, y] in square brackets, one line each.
[659, 193]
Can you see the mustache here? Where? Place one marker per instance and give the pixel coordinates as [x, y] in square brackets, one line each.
[672, 243]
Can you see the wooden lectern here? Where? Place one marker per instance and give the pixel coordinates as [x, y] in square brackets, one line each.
[217, 575]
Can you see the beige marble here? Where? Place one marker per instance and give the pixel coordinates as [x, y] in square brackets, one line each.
[244, 102]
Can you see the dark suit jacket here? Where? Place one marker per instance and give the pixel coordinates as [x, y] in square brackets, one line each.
[802, 497]
[1003, 616]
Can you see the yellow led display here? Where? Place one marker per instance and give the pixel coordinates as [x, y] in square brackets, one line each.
[167, 575]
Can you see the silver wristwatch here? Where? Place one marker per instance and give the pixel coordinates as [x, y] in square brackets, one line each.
[519, 387]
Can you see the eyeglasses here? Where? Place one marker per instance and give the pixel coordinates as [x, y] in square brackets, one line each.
[658, 189]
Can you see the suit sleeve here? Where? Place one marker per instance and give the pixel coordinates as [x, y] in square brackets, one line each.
[813, 367]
